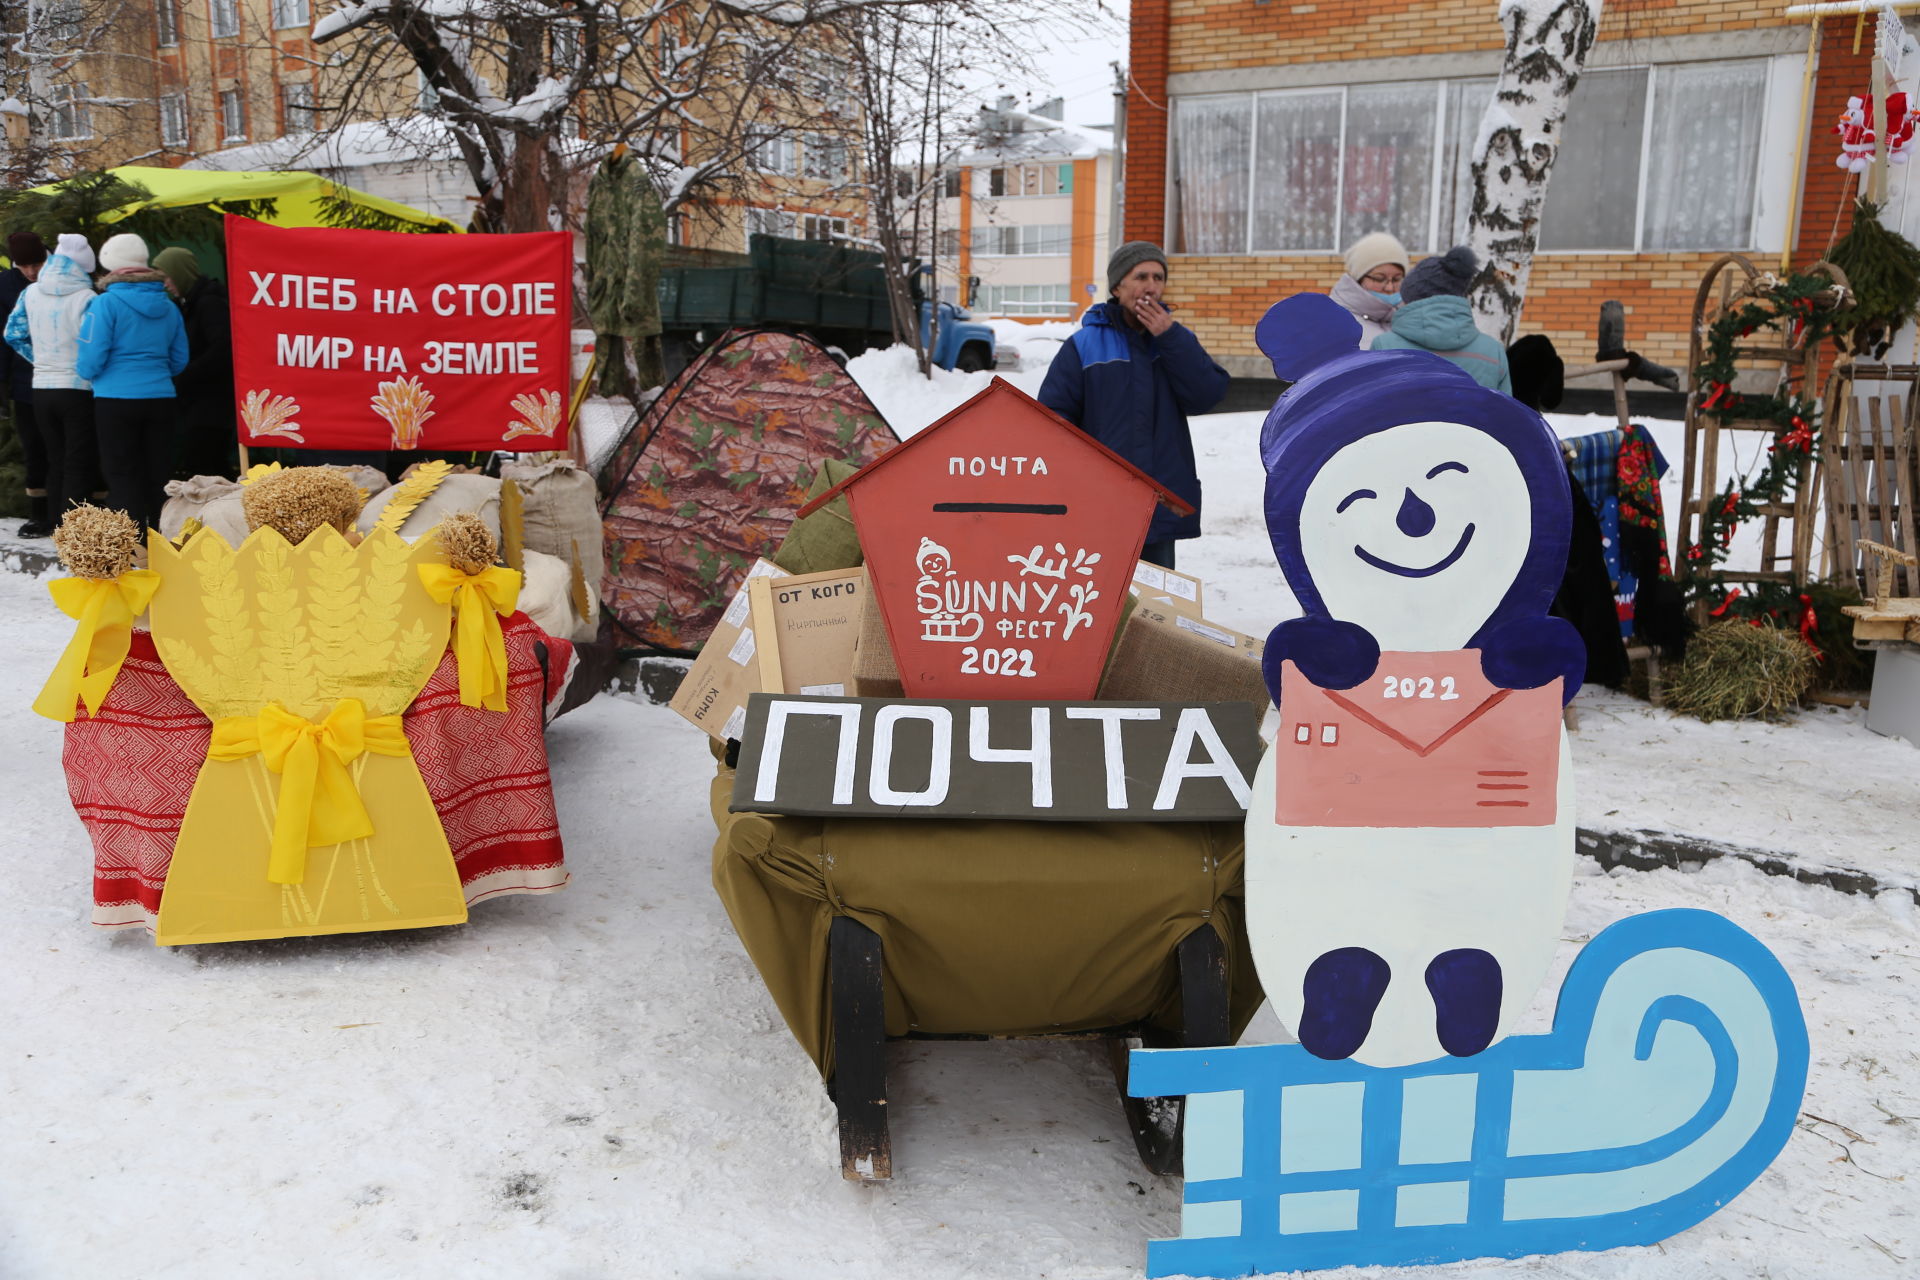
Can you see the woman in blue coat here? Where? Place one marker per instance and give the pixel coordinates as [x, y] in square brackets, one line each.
[1130, 376]
[132, 343]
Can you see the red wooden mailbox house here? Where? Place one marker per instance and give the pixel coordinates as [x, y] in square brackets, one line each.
[1001, 541]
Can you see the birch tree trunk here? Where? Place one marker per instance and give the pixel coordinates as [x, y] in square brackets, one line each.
[1519, 138]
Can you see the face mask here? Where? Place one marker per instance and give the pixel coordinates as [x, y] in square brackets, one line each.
[1391, 299]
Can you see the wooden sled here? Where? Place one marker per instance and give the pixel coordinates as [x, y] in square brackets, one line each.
[859, 1083]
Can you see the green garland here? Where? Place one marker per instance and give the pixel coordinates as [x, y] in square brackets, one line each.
[1801, 308]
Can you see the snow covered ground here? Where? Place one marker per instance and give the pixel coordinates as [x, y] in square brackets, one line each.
[595, 1083]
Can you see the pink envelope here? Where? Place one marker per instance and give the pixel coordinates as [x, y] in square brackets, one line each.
[1426, 741]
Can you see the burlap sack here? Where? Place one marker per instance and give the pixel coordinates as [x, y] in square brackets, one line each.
[824, 540]
[212, 500]
[475, 495]
[560, 516]
[543, 593]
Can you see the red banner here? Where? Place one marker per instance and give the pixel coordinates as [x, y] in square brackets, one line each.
[379, 340]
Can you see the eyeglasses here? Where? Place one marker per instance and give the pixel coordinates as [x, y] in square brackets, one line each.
[1383, 277]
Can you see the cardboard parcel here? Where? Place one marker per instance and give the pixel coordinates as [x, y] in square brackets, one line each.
[781, 633]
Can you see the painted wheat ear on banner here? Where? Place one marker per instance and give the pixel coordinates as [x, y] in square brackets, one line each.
[266, 414]
[540, 415]
[404, 404]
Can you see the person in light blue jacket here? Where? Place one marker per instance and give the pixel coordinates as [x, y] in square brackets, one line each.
[132, 343]
[1434, 316]
[44, 327]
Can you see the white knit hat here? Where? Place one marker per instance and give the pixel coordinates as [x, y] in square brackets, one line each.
[123, 251]
[73, 245]
[1375, 250]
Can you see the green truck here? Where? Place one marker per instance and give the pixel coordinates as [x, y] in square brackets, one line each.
[836, 294]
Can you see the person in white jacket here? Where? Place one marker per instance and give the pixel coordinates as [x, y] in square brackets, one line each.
[1376, 264]
[44, 328]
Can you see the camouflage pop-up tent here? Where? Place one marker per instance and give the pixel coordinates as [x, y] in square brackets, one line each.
[711, 474]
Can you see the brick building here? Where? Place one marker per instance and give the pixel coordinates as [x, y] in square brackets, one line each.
[1262, 138]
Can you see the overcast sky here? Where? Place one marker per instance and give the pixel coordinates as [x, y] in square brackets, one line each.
[1075, 69]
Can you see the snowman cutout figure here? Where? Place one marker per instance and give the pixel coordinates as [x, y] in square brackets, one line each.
[1410, 835]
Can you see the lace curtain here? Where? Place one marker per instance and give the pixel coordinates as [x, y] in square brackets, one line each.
[1296, 176]
[1212, 139]
[1313, 170]
[1705, 156]
[1388, 185]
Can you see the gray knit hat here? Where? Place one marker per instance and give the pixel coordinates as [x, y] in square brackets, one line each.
[1130, 255]
[1448, 273]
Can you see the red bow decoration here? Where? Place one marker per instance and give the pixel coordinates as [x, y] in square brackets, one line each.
[1809, 625]
[1719, 396]
[1799, 439]
[1726, 604]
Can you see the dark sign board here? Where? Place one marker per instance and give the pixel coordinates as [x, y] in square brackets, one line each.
[1065, 761]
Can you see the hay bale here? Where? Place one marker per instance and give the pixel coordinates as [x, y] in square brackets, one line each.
[1737, 671]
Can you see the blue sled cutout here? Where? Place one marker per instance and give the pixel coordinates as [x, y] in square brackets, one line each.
[1671, 1079]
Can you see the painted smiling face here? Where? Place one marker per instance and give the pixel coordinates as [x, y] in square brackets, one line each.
[1415, 533]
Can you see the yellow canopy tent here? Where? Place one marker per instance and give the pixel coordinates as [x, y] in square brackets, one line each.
[297, 195]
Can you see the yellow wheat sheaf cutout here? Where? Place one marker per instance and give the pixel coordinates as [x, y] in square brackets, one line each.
[411, 492]
[540, 415]
[404, 404]
[266, 414]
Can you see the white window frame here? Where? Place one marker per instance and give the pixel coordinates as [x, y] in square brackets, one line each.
[223, 18]
[1047, 299]
[1051, 240]
[175, 131]
[826, 157]
[772, 222]
[292, 13]
[827, 79]
[827, 227]
[61, 21]
[69, 119]
[566, 41]
[296, 95]
[238, 116]
[769, 151]
[1437, 216]
[166, 23]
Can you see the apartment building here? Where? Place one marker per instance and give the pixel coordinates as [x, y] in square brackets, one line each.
[1263, 138]
[1026, 215]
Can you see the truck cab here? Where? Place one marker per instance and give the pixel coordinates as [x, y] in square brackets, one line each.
[961, 342]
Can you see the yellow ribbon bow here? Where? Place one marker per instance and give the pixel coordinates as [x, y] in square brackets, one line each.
[479, 649]
[105, 609]
[319, 805]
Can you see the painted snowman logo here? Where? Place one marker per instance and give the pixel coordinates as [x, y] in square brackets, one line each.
[1410, 838]
[938, 621]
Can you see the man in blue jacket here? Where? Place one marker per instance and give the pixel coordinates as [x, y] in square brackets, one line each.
[1130, 376]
